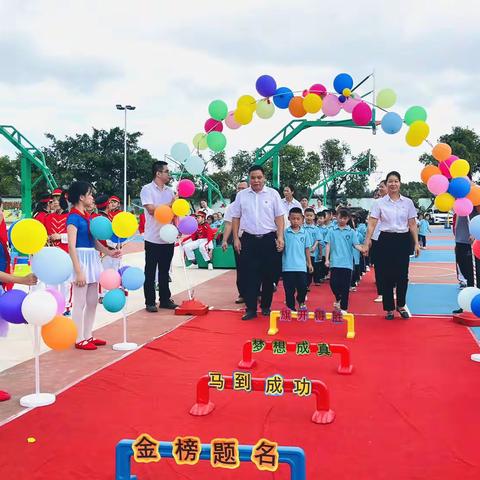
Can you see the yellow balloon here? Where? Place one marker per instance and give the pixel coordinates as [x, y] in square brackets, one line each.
[312, 103]
[417, 133]
[247, 101]
[243, 115]
[265, 109]
[124, 224]
[29, 236]
[444, 202]
[181, 207]
[346, 92]
[459, 168]
[200, 141]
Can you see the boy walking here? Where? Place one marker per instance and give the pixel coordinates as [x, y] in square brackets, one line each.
[316, 248]
[340, 240]
[296, 259]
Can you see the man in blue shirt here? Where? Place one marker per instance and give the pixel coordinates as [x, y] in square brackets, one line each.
[340, 241]
[296, 259]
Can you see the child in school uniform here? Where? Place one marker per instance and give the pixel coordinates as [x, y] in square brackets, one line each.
[296, 261]
[423, 230]
[316, 248]
[356, 258]
[323, 228]
[340, 241]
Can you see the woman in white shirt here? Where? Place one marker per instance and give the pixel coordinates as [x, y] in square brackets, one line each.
[397, 216]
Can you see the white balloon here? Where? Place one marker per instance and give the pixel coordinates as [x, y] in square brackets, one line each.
[466, 296]
[169, 233]
[194, 165]
[180, 152]
[39, 307]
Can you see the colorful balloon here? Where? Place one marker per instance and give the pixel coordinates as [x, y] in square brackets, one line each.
[169, 233]
[386, 98]
[52, 265]
[133, 278]
[39, 307]
[11, 306]
[459, 168]
[417, 133]
[342, 81]
[124, 224]
[243, 115]
[194, 165]
[362, 114]
[212, 125]
[186, 188]
[476, 252]
[180, 152]
[331, 106]
[101, 228]
[180, 207]
[216, 141]
[444, 202]
[474, 195]
[265, 109]
[199, 142]
[29, 236]
[428, 171]
[415, 113]
[218, 110]
[459, 187]
[445, 166]
[230, 121]
[60, 333]
[110, 279]
[466, 296]
[441, 151]
[318, 89]
[266, 85]
[474, 228]
[437, 184]
[247, 101]
[312, 103]
[463, 207]
[59, 298]
[114, 300]
[188, 225]
[392, 123]
[350, 104]
[296, 107]
[163, 214]
[282, 97]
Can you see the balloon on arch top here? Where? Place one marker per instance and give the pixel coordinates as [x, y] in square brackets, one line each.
[266, 85]
[218, 110]
[282, 97]
[342, 81]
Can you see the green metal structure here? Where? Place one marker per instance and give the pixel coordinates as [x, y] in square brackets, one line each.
[30, 156]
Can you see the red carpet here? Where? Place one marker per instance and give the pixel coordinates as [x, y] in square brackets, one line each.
[410, 410]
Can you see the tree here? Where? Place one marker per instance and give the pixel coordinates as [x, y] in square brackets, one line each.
[9, 176]
[415, 191]
[356, 186]
[98, 159]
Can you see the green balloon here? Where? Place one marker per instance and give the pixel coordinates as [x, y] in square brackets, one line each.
[415, 113]
[216, 141]
[218, 110]
[386, 98]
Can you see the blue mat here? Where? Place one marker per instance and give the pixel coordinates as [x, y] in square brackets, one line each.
[432, 299]
[441, 243]
[435, 256]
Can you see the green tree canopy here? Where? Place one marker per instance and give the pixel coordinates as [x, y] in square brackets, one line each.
[9, 176]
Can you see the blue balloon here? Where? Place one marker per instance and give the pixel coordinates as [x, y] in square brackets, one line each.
[11, 306]
[475, 305]
[101, 228]
[114, 300]
[459, 187]
[52, 265]
[116, 239]
[474, 227]
[392, 123]
[282, 97]
[342, 80]
[266, 86]
[133, 278]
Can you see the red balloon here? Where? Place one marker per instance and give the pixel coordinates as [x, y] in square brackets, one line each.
[476, 248]
[319, 89]
[212, 125]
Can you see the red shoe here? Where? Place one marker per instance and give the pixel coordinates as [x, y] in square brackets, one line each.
[97, 341]
[85, 345]
[4, 396]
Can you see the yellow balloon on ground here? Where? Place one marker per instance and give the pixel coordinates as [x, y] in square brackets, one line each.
[29, 236]
[247, 101]
[417, 133]
[459, 168]
[200, 141]
[312, 103]
[181, 207]
[243, 115]
[444, 202]
[124, 224]
[265, 109]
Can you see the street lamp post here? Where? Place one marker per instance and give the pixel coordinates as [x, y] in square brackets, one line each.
[125, 108]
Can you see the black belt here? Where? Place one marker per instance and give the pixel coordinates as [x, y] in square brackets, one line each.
[259, 236]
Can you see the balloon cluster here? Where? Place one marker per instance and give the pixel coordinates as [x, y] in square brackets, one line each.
[117, 282]
[469, 298]
[449, 182]
[123, 226]
[193, 164]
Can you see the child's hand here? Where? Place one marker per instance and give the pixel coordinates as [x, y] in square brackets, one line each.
[80, 279]
[115, 253]
[310, 268]
[327, 263]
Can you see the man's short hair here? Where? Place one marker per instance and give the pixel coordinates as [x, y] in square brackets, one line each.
[254, 168]
[158, 166]
[343, 213]
[309, 210]
[295, 210]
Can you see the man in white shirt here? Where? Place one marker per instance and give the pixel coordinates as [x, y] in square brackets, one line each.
[258, 211]
[158, 253]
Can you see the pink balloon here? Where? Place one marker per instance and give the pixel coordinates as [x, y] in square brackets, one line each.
[445, 165]
[212, 125]
[350, 104]
[463, 207]
[110, 279]
[331, 105]
[362, 114]
[437, 184]
[60, 299]
[230, 121]
[186, 188]
[319, 89]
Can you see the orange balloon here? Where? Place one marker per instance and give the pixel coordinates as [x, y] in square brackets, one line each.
[474, 195]
[60, 333]
[296, 107]
[441, 151]
[428, 171]
[163, 214]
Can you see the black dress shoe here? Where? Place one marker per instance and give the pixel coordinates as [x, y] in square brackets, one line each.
[403, 313]
[390, 316]
[169, 305]
[458, 310]
[151, 308]
[239, 300]
[266, 312]
[249, 315]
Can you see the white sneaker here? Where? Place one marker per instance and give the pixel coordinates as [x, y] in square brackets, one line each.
[379, 299]
[353, 289]
[210, 266]
[344, 312]
[192, 266]
[367, 268]
[475, 357]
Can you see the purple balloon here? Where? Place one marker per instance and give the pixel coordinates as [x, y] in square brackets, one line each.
[122, 269]
[266, 86]
[3, 328]
[60, 299]
[188, 225]
[11, 306]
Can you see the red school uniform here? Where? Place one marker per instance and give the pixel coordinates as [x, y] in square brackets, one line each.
[57, 223]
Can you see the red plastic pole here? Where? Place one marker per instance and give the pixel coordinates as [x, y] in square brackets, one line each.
[323, 414]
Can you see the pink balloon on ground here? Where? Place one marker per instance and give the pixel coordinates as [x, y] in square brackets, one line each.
[230, 121]
[60, 299]
[463, 207]
[110, 279]
[212, 125]
[350, 104]
[362, 114]
[186, 188]
[331, 105]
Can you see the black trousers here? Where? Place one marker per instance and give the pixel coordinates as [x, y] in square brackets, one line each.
[294, 282]
[240, 280]
[464, 259]
[392, 259]
[259, 264]
[340, 279]
[315, 276]
[423, 240]
[157, 255]
[373, 261]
